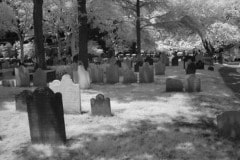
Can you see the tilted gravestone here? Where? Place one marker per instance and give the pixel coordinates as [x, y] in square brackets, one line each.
[191, 68]
[96, 73]
[175, 61]
[21, 100]
[193, 84]
[129, 76]
[174, 85]
[228, 124]
[112, 74]
[146, 74]
[39, 78]
[101, 106]
[22, 77]
[160, 68]
[46, 118]
[70, 94]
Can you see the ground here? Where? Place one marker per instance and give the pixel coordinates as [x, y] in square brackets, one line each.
[148, 123]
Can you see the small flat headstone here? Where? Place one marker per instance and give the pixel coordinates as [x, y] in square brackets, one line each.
[174, 85]
[101, 106]
[146, 74]
[46, 118]
[70, 94]
[228, 124]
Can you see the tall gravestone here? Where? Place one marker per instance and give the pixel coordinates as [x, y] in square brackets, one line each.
[146, 74]
[175, 61]
[191, 68]
[112, 74]
[174, 85]
[228, 124]
[45, 115]
[21, 100]
[22, 77]
[101, 106]
[129, 76]
[70, 94]
[96, 73]
[160, 68]
[39, 78]
[193, 84]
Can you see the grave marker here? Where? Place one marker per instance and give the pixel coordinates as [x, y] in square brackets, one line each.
[146, 74]
[21, 100]
[160, 68]
[174, 85]
[22, 77]
[193, 84]
[112, 74]
[101, 106]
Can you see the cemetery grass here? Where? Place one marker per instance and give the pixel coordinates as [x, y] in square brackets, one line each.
[148, 123]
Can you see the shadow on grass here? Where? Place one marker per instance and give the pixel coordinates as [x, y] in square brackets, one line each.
[144, 140]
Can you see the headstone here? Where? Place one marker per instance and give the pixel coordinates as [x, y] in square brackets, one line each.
[160, 68]
[84, 78]
[70, 94]
[128, 62]
[175, 61]
[174, 85]
[112, 74]
[5, 65]
[228, 124]
[199, 57]
[129, 76]
[40, 78]
[96, 73]
[191, 68]
[75, 72]
[101, 106]
[164, 59]
[9, 83]
[125, 66]
[137, 66]
[199, 65]
[22, 77]
[211, 68]
[146, 74]
[46, 118]
[193, 84]
[21, 100]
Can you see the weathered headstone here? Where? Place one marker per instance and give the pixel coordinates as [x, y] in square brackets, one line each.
[175, 61]
[22, 77]
[199, 65]
[228, 124]
[96, 73]
[46, 118]
[21, 100]
[112, 74]
[211, 68]
[191, 68]
[101, 106]
[70, 94]
[146, 74]
[164, 59]
[84, 77]
[174, 85]
[193, 84]
[129, 76]
[40, 78]
[160, 68]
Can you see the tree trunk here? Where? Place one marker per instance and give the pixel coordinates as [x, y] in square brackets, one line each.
[138, 27]
[38, 33]
[83, 33]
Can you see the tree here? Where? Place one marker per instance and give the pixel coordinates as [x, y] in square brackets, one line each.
[38, 33]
